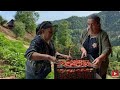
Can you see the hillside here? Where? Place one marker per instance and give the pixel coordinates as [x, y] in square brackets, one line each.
[7, 32]
[110, 22]
[12, 60]
[10, 35]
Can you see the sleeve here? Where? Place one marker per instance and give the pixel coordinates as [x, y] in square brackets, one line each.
[32, 48]
[106, 45]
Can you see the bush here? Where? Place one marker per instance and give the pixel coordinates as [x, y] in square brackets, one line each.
[1, 19]
[19, 29]
[3, 22]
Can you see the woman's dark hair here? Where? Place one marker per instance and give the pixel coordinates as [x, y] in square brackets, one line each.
[43, 25]
[95, 17]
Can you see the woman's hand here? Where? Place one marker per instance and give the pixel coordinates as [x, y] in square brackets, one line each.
[53, 59]
[64, 56]
[84, 53]
[67, 56]
[97, 62]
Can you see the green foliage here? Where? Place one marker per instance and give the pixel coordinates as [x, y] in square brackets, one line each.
[6, 71]
[77, 22]
[67, 40]
[63, 32]
[3, 22]
[30, 26]
[13, 53]
[114, 60]
[110, 22]
[9, 70]
[1, 19]
[19, 29]
[50, 75]
[63, 37]
[29, 18]
[113, 65]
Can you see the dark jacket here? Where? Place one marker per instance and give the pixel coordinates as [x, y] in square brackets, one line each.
[39, 67]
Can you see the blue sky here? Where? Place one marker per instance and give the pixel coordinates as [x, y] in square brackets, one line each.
[50, 15]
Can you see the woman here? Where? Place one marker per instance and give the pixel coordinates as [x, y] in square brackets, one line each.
[41, 52]
[95, 42]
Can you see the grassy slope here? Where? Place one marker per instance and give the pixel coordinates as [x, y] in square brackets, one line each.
[11, 46]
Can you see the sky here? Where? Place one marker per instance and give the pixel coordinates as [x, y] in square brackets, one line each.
[49, 15]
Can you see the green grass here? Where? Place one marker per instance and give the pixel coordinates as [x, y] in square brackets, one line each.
[50, 75]
[6, 71]
[110, 77]
[13, 53]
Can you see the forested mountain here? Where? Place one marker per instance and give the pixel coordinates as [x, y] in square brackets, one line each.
[110, 22]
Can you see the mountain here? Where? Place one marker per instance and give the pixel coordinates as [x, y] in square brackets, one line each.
[110, 22]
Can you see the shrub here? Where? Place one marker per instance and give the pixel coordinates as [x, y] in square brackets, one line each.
[19, 29]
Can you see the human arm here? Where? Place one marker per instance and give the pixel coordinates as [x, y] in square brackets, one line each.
[64, 56]
[38, 56]
[84, 52]
[106, 50]
[82, 49]
[35, 51]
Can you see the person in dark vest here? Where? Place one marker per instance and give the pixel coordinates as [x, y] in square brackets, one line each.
[41, 52]
[95, 42]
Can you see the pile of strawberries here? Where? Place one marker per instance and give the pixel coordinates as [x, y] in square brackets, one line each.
[74, 69]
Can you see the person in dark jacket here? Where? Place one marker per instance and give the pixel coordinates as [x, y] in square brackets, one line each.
[95, 42]
[41, 52]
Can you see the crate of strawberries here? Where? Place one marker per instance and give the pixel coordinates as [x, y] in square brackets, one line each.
[74, 69]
